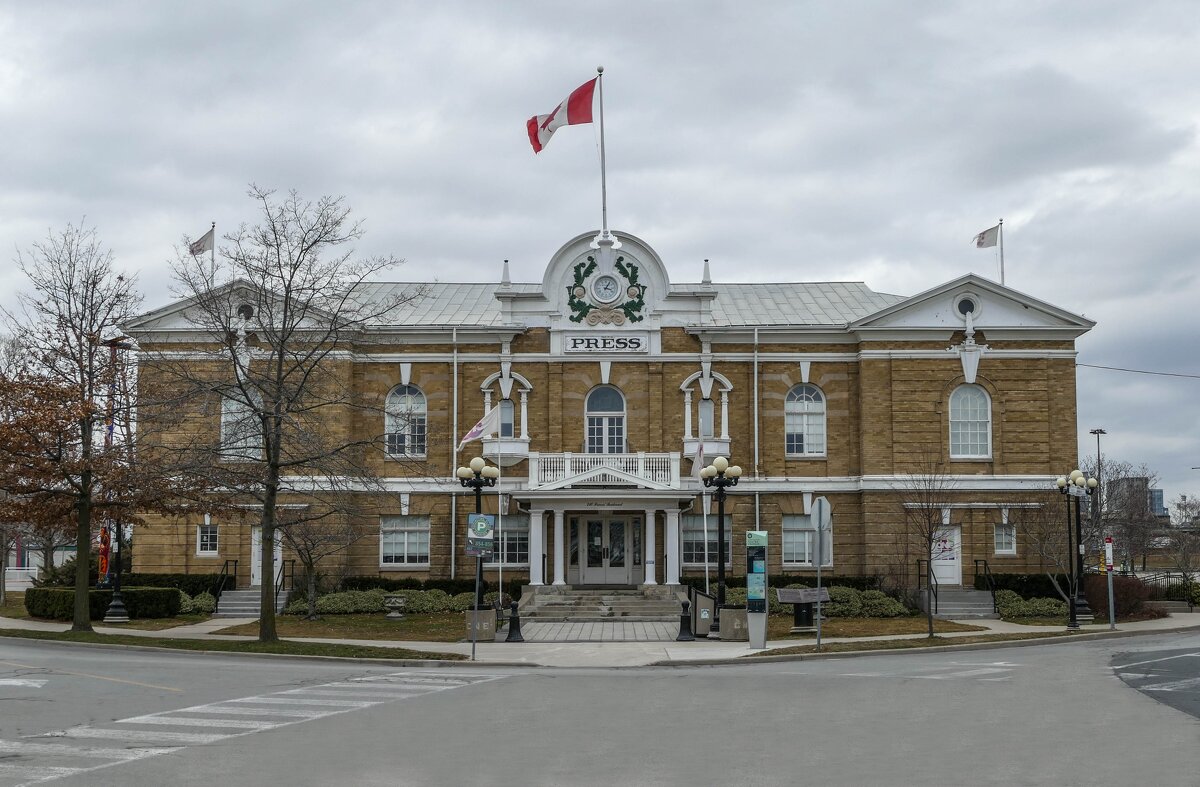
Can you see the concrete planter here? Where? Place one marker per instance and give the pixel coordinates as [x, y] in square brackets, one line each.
[734, 627]
[483, 623]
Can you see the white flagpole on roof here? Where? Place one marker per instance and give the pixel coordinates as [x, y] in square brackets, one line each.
[603, 177]
[1000, 238]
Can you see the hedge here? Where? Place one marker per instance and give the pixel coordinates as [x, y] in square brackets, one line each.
[203, 604]
[844, 602]
[365, 602]
[1010, 605]
[1024, 585]
[192, 584]
[451, 587]
[787, 580]
[59, 603]
[1129, 595]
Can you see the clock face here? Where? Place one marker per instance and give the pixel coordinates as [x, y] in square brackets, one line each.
[606, 288]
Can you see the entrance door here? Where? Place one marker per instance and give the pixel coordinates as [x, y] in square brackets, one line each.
[607, 554]
[946, 556]
[256, 555]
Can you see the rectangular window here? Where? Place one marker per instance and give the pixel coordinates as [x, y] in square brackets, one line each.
[692, 542]
[1006, 539]
[506, 418]
[206, 538]
[800, 542]
[404, 540]
[512, 543]
[409, 440]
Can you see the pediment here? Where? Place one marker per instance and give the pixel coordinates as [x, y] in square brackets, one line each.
[997, 310]
[191, 315]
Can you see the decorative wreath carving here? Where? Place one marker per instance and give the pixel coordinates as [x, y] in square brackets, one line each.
[615, 314]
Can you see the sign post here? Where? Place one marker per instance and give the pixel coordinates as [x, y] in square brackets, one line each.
[821, 518]
[1108, 563]
[480, 541]
[756, 587]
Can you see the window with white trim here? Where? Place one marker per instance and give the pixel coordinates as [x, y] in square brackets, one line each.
[1005, 536]
[800, 542]
[512, 541]
[507, 417]
[206, 538]
[241, 429]
[404, 421]
[404, 540]
[707, 413]
[970, 423]
[804, 421]
[605, 416]
[691, 542]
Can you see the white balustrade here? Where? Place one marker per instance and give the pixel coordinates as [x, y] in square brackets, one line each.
[554, 468]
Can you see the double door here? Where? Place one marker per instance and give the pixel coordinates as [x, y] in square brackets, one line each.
[607, 554]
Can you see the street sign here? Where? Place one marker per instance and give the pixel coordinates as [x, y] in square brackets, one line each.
[801, 595]
[1108, 552]
[821, 513]
[480, 531]
[1076, 491]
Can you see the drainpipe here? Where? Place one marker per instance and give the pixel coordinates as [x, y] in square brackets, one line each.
[757, 518]
[454, 452]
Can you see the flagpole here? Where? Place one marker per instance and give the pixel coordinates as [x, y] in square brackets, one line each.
[500, 513]
[213, 250]
[603, 177]
[1000, 233]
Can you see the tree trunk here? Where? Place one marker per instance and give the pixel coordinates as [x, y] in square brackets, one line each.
[4, 551]
[929, 598]
[82, 616]
[310, 569]
[266, 620]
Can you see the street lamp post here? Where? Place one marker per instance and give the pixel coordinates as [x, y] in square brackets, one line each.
[116, 612]
[1098, 503]
[477, 475]
[1077, 486]
[720, 475]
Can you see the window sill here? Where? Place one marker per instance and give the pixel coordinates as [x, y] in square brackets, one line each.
[402, 457]
[970, 458]
[806, 566]
[208, 554]
[403, 567]
[805, 456]
[497, 566]
[1004, 554]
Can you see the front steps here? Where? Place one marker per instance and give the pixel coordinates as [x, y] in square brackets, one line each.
[648, 604]
[960, 603]
[245, 603]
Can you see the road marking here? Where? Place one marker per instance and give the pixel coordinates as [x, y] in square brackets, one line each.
[1175, 685]
[89, 675]
[296, 710]
[29, 682]
[1154, 661]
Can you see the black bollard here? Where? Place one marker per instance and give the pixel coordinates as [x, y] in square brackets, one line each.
[685, 624]
[514, 626]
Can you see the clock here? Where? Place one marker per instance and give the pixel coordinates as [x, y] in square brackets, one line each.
[606, 288]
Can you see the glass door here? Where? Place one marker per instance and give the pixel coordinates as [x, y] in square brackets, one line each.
[606, 557]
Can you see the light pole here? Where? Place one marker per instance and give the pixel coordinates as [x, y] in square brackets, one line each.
[116, 612]
[1077, 486]
[1098, 504]
[720, 475]
[477, 475]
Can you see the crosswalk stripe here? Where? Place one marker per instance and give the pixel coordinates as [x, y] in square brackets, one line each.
[1175, 685]
[233, 710]
[37, 773]
[302, 701]
[180, 721]
[59, 749]
[363, 692]
[389, 689]
[137, 735]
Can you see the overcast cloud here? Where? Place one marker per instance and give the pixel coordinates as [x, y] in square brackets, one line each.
[784, 141]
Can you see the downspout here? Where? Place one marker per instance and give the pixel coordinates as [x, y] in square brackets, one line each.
[757, 517]
[454, 453]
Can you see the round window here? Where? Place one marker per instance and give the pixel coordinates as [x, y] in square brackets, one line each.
[967, 305]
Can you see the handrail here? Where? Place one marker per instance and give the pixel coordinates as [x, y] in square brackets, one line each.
[219, 586]
[285, 578]
[932, 583]
[990, 580]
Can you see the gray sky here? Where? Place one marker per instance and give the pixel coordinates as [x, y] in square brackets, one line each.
[782, 140]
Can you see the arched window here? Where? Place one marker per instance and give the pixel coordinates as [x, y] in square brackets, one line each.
[241, 429]
[506, 418]
[804, 421]
[605, 418]
[970, 423]
[404, 422]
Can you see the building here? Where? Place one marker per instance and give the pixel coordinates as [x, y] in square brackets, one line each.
[612, 378]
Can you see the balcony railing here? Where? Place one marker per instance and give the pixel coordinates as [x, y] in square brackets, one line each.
[641, 469]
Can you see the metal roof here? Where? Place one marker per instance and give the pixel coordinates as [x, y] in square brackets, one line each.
[795, 303]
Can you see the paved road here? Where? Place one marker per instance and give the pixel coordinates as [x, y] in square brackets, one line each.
[1052, 714]
[1170, 676]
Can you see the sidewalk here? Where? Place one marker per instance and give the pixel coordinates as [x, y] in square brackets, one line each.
[612, 654]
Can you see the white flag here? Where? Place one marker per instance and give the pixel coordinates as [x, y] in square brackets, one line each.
[204, 244]
[487, 425]
[987, 237]
[698, 462]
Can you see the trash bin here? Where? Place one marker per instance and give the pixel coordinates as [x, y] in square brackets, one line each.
[703, 607]
[733, 624]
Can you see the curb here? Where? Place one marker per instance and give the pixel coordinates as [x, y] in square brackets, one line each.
[1089, 636]
[441, 663]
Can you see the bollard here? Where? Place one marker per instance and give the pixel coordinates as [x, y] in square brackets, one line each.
[514, 626]
[685, 624]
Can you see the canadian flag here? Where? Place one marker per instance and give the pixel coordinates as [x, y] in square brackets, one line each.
[576, 108]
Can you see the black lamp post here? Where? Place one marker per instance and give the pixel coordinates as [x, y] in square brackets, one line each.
[116, 612]
[1077, 486]
[720, 475]
[477, 475]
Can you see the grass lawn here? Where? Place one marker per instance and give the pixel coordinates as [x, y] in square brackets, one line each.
[436, 627]
[237, 646]
[14, 606]
[780, 626]
[906, 644]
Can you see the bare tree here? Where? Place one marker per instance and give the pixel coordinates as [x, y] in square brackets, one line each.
[924, 498]
[279, 305]
[1049, 532]
[54, 409]
[314, 539]
[8, 541]
[1127, 515]
[1185, 513]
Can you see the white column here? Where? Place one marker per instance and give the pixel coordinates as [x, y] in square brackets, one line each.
[487, 400]
[687, 414]
[524, 415]
[649, 541]
[724, 415]
[537, 545]
[560, 547]
[672, 533]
